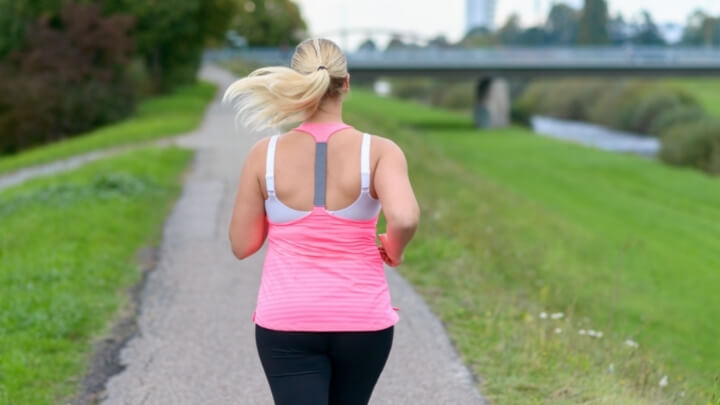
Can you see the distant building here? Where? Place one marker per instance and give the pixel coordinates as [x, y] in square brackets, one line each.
[480, 14]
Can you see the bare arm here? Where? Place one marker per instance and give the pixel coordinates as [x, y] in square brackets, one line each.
[401, 210]
[248, 226]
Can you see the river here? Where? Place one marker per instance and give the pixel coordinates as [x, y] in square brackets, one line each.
[596, 136]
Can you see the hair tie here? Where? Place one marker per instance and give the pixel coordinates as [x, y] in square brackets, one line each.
[321, 67]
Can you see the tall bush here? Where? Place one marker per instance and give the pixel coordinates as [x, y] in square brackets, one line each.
[654, 104]
[695, 145]
[69, 76]
[677, 116]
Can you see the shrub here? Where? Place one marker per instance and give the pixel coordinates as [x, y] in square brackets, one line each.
[530, 102]
[69, 77]
[455, 96]
[670, 118]
[412, 88]
[615, 107]
[571, 98]
[653, 104]
[695, 145]
[567, 99]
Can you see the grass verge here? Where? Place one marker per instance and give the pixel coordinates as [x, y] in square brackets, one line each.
[516, 225]
[67, 248]
[179, 112]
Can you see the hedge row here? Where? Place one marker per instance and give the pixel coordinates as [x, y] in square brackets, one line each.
[689, 136]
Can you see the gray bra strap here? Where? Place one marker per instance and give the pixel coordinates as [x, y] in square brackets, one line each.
[320, 165]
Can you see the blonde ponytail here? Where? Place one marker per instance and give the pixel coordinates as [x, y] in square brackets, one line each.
[278, 95]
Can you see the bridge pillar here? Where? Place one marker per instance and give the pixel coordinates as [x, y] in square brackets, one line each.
[492, 103]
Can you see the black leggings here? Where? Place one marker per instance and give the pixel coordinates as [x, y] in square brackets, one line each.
[318, 368]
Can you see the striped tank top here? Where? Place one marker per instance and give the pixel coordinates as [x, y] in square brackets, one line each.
[323, 271]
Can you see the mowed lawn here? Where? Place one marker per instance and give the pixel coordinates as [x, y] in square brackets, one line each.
[515, 224]
[68, 254]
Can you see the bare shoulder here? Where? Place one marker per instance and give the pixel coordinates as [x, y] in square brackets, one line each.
[255, 159]
[386, 148]
[260, 146]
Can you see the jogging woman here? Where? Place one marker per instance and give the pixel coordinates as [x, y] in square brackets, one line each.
[324, 320]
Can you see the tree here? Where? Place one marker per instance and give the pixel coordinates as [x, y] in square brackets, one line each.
[647, 32]
[368, 45]
[396, 43]
[478, 37]
[509, 34]
[701, 29]
[533, 36]
[562, 25]
[619, 31]
[593, 23]
[16, 16]
[439, 41]
[269, 22]
[171, 34]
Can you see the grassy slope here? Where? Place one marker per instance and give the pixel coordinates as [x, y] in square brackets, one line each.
[158, 117]
[514, 224]
[67, 247]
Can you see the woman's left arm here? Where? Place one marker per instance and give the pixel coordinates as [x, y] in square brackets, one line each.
[248, 226]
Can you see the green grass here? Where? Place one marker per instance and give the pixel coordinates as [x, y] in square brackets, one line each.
[67, 256]
[179, 112]
[515, 224]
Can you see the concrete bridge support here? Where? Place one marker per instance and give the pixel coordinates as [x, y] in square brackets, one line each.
[492, 103]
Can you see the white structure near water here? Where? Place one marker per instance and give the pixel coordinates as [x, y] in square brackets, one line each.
[480, 13]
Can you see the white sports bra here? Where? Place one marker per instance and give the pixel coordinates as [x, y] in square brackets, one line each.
[365, 207]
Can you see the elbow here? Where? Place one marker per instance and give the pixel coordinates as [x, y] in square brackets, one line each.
[408, 225]
[406, 221]
[240, 250]
[240, 253]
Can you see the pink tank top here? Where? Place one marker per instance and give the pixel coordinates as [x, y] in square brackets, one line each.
[322, 271]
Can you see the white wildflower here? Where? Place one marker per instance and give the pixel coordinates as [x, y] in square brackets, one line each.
[663, 381]
[557, 315]
[611, 368]
[598, 334]
[543, 315]
[558, 330]
[582, 331]
[591, 333]
[632, 343]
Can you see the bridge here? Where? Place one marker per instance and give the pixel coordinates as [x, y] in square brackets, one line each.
[526, 62]
[489, 66]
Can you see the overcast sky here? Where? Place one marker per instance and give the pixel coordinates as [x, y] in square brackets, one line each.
[430, 18]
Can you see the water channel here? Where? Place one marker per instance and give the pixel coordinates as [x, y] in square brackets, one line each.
[596, 136]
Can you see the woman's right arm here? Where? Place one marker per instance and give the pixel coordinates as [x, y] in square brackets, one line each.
[401, 210]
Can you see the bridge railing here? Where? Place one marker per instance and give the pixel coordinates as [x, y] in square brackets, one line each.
[498, 57]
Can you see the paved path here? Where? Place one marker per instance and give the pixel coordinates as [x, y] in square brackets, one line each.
[196, 339]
